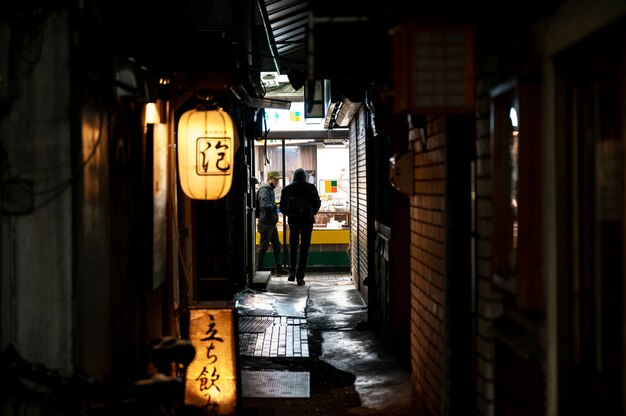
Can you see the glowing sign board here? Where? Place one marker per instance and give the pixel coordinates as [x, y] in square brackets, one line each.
[212, 376]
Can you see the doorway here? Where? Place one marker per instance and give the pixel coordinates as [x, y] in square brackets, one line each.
[594, 79]
[327, 166]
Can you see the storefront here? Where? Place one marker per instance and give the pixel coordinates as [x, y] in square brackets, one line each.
[326, 162]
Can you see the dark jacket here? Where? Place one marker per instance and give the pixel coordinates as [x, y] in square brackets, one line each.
[300, 193]
[266, 198]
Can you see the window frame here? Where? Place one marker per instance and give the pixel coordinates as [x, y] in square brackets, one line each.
[523, 287]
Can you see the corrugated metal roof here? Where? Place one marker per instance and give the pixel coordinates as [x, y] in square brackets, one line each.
[286, 24]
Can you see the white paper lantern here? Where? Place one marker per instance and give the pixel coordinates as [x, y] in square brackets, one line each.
[206, 147]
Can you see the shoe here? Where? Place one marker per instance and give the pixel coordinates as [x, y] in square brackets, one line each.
[301, 281]
[292, 277]
[280, 270]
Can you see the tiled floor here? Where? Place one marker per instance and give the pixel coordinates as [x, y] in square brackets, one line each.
[347, 371]
[280, 336]
[268, 336]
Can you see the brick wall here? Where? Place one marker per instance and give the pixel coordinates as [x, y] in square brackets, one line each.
[427, 274]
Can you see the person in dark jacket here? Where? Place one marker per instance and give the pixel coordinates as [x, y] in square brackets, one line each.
[300, 201]
[268, 218]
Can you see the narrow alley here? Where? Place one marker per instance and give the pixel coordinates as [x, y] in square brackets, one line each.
[464, 170]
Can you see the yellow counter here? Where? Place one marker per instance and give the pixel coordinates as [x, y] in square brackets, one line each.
[321, 236]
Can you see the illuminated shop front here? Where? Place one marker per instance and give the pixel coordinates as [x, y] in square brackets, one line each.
[326, 162]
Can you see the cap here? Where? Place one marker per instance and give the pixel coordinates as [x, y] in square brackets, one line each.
[274, 174]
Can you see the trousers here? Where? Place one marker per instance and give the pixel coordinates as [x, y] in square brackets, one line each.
[299, 245]
[268, 234]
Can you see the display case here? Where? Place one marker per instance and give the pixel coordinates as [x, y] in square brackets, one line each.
[332, 220]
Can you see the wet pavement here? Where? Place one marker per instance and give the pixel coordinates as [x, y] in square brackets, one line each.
[306, 350]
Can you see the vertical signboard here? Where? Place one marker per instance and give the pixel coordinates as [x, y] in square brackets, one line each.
[212, 376]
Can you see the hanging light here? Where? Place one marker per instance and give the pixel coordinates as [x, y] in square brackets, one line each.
[206, 147]
[151, 114]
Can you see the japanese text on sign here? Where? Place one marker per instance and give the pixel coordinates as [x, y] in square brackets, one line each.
[213, 155]
[211, 380]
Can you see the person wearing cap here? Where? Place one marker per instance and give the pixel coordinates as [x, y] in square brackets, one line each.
[300, 202]
[268, 218]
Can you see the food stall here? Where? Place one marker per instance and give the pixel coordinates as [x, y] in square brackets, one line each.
[327, 167]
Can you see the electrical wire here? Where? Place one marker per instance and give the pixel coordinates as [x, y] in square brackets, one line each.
[183, 282]
[31, 23]
[62, 186]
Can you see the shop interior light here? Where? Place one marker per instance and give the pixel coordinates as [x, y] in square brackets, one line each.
[335, 144]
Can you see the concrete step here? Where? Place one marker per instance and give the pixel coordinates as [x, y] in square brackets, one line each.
[261, 279]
